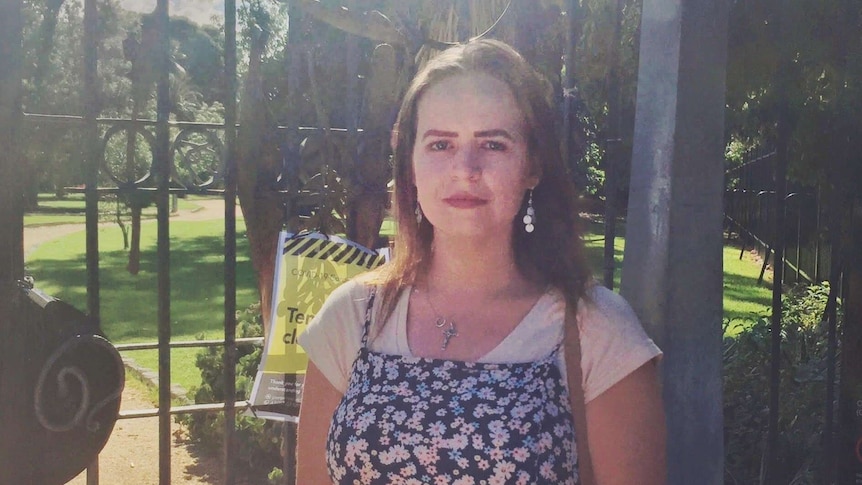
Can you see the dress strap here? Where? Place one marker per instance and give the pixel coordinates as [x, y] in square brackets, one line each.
[367, 325]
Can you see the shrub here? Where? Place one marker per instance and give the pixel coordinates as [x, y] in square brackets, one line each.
[802, 391]
[258, 441]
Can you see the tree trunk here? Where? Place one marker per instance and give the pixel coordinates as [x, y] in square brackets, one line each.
[369, 196]
[257, 168]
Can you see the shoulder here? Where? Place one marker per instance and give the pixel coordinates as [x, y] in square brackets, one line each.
[603, 307]
[613, 342]
[352, 294]
[342, 307]
[333, 338]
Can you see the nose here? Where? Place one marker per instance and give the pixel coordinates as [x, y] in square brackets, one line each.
[466, 163]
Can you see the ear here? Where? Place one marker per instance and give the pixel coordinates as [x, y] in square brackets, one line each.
[534, 174]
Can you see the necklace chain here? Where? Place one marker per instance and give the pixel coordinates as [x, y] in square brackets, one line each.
[446, 324]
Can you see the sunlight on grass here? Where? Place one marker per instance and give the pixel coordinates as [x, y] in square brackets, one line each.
[744, 299]
[70, 210]
[32, 219]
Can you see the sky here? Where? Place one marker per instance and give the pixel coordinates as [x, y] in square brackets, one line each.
[198, 11]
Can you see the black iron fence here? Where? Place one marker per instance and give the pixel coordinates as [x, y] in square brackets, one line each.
[749, 208]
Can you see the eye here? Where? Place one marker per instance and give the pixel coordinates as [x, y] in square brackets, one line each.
[439, 145]
[495, 145]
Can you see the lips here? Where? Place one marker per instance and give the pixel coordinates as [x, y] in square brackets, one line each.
[464, 201]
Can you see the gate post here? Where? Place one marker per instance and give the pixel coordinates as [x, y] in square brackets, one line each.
[14, 460]
[672, 272]
[849, 434]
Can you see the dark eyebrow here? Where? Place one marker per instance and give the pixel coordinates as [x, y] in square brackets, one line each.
[493, 134]
[449, 134]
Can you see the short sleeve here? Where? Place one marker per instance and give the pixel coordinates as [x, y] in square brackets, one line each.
[333, 338]
[613, 342]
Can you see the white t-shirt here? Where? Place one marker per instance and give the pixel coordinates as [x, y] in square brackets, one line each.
[613, 342]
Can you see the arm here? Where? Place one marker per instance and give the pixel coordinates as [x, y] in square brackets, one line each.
[319, 400]
[626, 431]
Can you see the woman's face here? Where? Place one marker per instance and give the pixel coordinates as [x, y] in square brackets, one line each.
[470, 157]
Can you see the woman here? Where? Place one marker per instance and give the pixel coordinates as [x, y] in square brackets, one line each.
[446, 365]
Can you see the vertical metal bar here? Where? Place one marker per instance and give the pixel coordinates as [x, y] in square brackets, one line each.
[91, 177]
[672, 274]
[798, 240]
[775, 325]
[295, 50]
[784, 132]
[230, 193]
[831, 356]
[15, 452]
[354, 99]
[91, 162]
[162, 168]
[288, 436]
[613, 145]
[566, 81]
[352, 63]
[818, 206]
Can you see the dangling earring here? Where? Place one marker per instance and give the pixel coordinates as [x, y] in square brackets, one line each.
[530, 217]
[418, 213]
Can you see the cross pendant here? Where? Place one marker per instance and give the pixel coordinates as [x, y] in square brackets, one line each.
[448, 334]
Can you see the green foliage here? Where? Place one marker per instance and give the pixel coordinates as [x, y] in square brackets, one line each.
[800, 61]
[802, 390]
[276, 476]
[258, 440]
[53, 84]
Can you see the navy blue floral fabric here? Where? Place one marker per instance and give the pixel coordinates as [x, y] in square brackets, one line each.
[407, 420]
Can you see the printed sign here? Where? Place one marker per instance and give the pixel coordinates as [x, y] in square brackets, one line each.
[308, 267]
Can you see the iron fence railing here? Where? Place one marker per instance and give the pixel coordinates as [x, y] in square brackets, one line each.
[158, 157]
[749, 208]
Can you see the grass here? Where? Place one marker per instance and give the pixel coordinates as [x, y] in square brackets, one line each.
[53, 210]
[595, 250]
[129, 304]
[744, 299]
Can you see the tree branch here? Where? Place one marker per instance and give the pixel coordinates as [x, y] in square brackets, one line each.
[372, 25]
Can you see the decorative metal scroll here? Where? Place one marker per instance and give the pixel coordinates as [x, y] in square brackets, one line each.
[76, 379]
[198, 158]
[124, 158]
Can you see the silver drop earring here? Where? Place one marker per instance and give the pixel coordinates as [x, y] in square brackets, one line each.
[530, 217]
[418, 213]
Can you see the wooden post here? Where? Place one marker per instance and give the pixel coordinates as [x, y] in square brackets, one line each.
[672, 272]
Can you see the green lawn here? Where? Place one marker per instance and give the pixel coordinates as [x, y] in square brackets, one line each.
[130, 306]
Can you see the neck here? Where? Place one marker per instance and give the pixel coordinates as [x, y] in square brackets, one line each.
[462, 265]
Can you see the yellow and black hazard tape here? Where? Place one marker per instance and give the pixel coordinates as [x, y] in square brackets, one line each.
[335, 251]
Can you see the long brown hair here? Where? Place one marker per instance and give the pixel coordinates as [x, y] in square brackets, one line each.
[553, 253]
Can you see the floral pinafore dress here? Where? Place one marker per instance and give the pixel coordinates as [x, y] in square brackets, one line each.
[408, 420]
